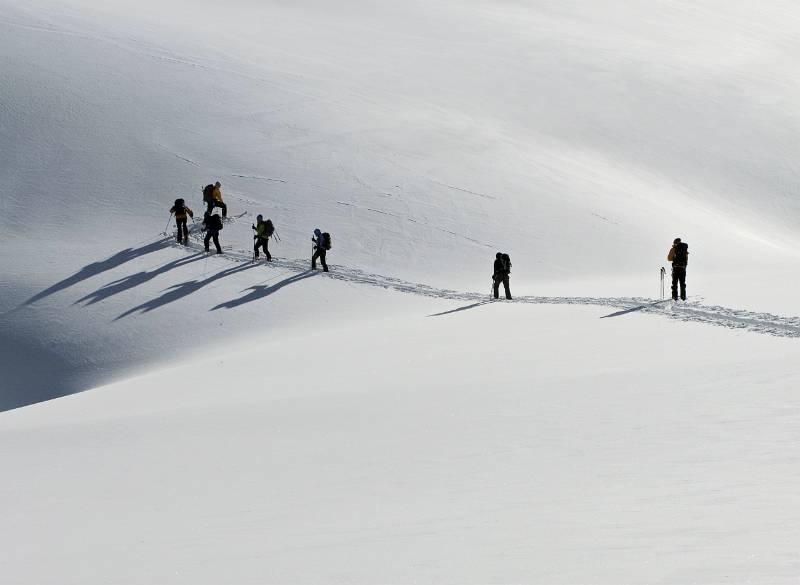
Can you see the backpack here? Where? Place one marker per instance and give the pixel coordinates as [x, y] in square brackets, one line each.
[681, 255]
[325, 240]
[269, 228]
[180, 204]
[208, 193]
[506, 260]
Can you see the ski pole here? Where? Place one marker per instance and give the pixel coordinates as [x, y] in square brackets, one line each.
[277, 237]
[663, 272]
[168, 222]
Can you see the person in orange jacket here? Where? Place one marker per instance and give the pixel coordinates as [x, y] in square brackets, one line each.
[679, 256]
[181, 212]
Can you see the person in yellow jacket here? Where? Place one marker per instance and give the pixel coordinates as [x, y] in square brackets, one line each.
[212, 196]
[679, 256]
[181, 212]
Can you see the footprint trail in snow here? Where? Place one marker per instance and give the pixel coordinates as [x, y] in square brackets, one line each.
[692, 311]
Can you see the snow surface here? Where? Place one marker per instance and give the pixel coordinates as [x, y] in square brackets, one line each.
[221, 421]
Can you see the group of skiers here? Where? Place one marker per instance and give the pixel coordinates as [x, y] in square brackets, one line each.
[212, 224]
[321, 242]
[264, 229]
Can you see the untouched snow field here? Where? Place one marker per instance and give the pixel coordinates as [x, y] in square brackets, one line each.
[217, 420]
[464, 448]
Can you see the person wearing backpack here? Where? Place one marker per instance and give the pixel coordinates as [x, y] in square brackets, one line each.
[321, 243]
[181, 211]
[212, 224]
[679, 256]
[502, 271]
[264, 230]
[208, 197]
[212, 197]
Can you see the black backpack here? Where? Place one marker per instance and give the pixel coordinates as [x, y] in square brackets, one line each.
[208, 193]
[325, 240]
[506, 260]
[681, 255]
[179, 205]
[270, 228]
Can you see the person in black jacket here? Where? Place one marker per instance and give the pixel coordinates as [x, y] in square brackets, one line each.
[320, 243]
[502, 270]
[679, 256]
[212, 224]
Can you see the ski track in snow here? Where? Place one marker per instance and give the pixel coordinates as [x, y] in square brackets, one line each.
[258, 178]
[456, 188]
[691, 311]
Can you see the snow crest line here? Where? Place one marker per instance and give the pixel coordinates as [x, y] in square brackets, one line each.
[693, 312]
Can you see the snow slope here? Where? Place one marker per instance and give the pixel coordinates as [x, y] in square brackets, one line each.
[500, 444]
[383, 422]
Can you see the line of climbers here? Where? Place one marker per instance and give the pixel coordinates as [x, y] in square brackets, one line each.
[264, 229]
[321, 242]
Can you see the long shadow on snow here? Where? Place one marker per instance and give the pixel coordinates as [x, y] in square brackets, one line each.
[133, 280]
[633, 309]
[764, 323]
[96, 268]
[261, 291]
[182, 290]
[465, 308]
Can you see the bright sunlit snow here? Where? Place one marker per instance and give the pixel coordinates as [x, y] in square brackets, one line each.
[169, 416]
